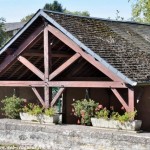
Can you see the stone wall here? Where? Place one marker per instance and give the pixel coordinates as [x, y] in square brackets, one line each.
[70, 137]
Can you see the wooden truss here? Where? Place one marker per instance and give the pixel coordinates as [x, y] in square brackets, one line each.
[47, 76]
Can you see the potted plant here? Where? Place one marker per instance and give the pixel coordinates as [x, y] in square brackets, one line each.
[50, 116]
[84, 109]
[31, 112]
[12, 106]
[101, 117]
[104, 119]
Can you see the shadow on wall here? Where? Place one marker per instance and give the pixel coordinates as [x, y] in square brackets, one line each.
[142, 104]
[25, 93]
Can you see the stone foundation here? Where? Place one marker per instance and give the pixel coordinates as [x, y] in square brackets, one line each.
[70, 137]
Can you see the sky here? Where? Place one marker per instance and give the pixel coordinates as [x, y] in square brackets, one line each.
[15, 10]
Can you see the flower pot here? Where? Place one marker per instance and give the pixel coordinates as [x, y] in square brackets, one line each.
[50, 120]
[134, 125]
[28, 117]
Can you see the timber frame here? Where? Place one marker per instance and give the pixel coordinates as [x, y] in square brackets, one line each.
[48, 75]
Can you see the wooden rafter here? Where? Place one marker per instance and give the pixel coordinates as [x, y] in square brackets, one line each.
[38, 96]
[59, 93]
[30, 66]
[28, 43]
[119, 97]
[86, 56]
[64, 66]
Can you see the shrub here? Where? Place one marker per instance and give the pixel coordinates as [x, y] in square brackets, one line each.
[12, 106]
[84, 109]
[102, 113]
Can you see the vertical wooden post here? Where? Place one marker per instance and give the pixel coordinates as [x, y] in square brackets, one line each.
[47, 66]
[131, 99]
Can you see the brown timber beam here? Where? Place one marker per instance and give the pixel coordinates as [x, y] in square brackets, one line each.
[30, 66]
[28, 43]
[38, 96]
[41, 55]
[86, 56]
[22, 83]
[47, 68]
[64, 66]
[90, 84]
[122, 101]
[61, 90]
[131, 99]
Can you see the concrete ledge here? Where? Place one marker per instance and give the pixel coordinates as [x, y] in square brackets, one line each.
[70, 137]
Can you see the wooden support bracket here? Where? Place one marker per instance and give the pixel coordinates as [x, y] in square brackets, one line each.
[122, 101]
[38, 96]
[61, 90]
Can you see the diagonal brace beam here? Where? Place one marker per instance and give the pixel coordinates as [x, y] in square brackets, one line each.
[27, 44]
[64, 66]
[38, 96]
[86, 56]
[122, 101]
[30, 66]
[61, 90]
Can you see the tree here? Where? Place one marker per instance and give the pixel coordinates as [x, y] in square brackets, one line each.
[27, 18]
[55, 6]
[79, 13]
[3, 34]
[141, 11]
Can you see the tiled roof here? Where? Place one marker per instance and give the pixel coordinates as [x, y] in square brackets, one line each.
[125, 45]
[13, 26]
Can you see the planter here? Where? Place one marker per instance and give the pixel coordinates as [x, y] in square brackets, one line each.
[40, 118]
[114, 124]
[28, 117]
[50, 120]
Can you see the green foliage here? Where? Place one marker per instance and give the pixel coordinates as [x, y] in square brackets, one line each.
[79, 13]
[102, 113]
[84, 109]
[33, 109]
[27, 18]
[12, 106]
[3, 35]
[55, 6]
[127, 116]
[50, 111]
[141, 10]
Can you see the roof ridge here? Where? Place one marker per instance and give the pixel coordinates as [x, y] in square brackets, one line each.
[96, 18]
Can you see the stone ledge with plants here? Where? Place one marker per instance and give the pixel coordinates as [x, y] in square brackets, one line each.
[16, 108]
[91, 113]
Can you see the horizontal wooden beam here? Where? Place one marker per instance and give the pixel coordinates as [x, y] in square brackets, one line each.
[22, 83]
[86, 56]
[122, 101]
[61, 90]
[31, 67]
[90, 84]
[42, 55]
[38, 96]
[64, 66]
